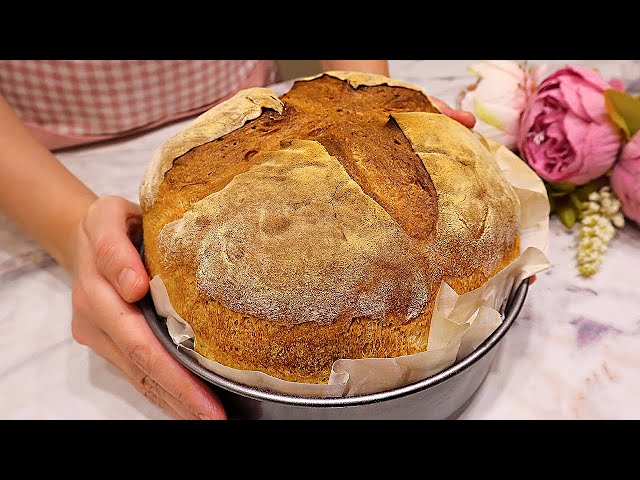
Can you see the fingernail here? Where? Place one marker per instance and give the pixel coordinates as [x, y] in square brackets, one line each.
[127, 281]
[202, 416]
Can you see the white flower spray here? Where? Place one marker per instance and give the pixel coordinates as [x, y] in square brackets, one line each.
[600, 214]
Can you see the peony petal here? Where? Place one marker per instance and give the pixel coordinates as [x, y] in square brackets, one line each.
[572, 100]
[598, 152]
[591, 76]
[592, 102]
[526, 123]
[497, 90]
[588, 75]
[575, 129]
[488, 68]
[553, 114]
[631, 152]
[533, 154]
[625, 179]
[556, 132]
[548, 158]
[500, 116]
[625, 182]
[551, 91]
[559, 156]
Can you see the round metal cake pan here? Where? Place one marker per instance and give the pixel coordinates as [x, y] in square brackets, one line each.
[440, 396]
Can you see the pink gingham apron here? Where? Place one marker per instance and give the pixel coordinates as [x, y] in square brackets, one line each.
[72, 102]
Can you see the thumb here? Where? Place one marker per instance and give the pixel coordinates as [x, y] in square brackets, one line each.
[109, 224]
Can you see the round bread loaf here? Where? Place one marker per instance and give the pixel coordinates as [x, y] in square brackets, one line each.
[291, 232]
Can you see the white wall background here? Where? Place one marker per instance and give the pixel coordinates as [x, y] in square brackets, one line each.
[624, 69]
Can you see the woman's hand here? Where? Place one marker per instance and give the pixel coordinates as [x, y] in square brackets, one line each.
[462, 116]
[108, 275]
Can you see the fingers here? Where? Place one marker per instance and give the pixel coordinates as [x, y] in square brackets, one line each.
[105, 347]
[130, 333]
[136, 351]
[465, 118]
[462, 116]
[142, 348]
[108, 224]
[85, 333]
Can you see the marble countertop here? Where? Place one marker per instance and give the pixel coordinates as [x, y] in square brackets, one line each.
[573, 352]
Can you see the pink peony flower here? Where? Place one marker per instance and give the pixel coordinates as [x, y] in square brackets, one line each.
[565, 132]
[625, 179]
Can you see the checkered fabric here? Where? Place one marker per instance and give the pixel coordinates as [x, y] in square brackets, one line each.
[109, 97]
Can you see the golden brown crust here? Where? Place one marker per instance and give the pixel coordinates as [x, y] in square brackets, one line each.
[250, 294]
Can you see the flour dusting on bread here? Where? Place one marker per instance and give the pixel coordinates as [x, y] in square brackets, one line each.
[296, 240]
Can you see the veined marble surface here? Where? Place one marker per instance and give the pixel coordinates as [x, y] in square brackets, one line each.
[573, 352]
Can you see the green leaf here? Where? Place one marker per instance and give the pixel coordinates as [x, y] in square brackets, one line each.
[552, 205]
[559, 189]
[624, 110]
[575, 201]
[567, 214]
[563, 187]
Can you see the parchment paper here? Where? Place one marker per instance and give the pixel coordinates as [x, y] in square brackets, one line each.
[459, 324]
